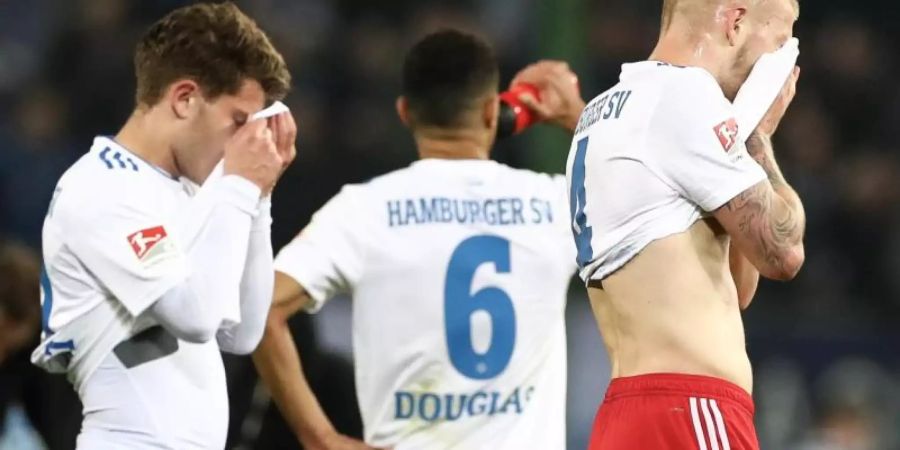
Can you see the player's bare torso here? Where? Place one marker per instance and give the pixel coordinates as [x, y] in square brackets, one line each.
[674, 309]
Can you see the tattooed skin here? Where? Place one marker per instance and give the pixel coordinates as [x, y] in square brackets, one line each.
[774, 228]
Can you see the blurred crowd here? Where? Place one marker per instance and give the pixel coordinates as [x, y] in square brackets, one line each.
[824, 345]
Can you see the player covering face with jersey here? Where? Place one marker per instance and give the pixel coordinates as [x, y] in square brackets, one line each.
[675, 217]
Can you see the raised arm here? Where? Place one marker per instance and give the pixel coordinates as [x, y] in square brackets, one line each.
[560, 103]
[767, 221]
[255, 288]
[257, 278]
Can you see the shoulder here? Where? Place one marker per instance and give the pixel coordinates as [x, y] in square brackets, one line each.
[690, 100]
[690, 89]
[528, 177]
[91, 189]
[349, 201]
[388, 181]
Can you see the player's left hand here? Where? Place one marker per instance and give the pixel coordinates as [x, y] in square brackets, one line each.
[284, 133]
[776, 112]
[560, 97]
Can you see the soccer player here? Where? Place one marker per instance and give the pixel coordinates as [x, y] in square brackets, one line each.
[672, 217]
[147, 274]
[458, 267]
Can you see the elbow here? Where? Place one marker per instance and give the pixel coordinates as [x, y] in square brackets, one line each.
[276, 325]
[243, 339]
[244, 346]
[787, 264]
[276, 321]
[195, 333]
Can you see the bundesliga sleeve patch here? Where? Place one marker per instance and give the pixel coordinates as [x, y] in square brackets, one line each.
[727, 132]
[148, 243]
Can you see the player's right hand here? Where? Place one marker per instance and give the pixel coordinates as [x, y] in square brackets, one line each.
[770, 121]
[251, 153]
[337, 441]
[560, 102]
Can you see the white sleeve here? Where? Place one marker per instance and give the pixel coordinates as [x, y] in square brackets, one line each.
[327, 257]
[195, 309]
[257, 285]
[124, 244]
[694, 143]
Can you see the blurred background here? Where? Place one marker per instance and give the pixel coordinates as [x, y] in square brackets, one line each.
[824, 347]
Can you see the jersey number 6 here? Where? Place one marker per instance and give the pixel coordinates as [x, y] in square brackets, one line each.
[460, 304]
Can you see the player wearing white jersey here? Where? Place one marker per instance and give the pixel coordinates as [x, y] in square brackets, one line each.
[458, 268]
[148, 275]
[664, 195]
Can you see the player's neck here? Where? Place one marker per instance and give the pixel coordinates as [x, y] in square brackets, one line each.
[685, 48]
[452, 144]
[142, 139]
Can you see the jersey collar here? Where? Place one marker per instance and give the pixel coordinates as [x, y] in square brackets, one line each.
[101, 142]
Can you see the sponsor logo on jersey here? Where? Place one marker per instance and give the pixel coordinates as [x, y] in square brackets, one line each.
[143, 242]
[727, 132]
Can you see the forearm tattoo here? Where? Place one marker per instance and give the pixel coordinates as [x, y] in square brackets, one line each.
[774, 233]
[760, 148]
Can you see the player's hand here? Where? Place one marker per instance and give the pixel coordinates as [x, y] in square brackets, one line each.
[337, 441]
[773, 117]
[561, 102]
[251, 153]
[284, 132]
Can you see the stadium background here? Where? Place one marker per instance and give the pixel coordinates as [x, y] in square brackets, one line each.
[825, 346]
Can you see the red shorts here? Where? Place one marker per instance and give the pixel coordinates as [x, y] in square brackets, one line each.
[674, 412]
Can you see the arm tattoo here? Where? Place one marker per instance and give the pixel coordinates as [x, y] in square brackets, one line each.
[760, 148]
[772, 234]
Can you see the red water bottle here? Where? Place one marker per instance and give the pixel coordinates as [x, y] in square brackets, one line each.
[515, 116]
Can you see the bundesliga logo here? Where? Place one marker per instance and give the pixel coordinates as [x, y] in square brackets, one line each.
[727, 133]
[144, 241]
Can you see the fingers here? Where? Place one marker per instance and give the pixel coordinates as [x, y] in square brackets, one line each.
[542, 110]
[275, 126]
[538, 73]
[286, 136]
[251, 128]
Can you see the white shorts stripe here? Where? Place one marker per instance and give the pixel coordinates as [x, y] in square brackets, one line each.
[698, 429]
[720, 425]
[710, 428]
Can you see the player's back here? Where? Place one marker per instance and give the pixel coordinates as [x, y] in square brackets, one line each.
[458, 271]
[643, 161]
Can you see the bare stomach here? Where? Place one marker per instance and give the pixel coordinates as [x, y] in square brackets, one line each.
[674, 309]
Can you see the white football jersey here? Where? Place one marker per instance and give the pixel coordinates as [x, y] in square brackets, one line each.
[113, 243]
[458, 271]
[649, 158]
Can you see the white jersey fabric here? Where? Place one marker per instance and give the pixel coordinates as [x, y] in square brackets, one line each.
[650, 157]
[458, 270]
[114, 242]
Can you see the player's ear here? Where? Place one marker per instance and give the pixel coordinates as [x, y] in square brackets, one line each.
[735, 21]
[491, 112]
[402, 110]
[184, 97]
